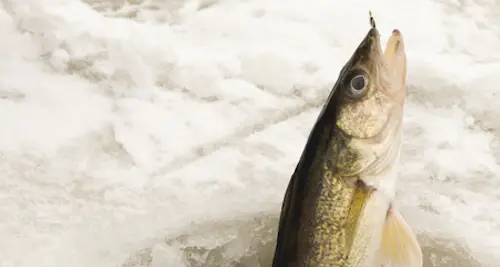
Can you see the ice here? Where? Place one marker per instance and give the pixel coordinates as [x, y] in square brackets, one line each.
[163, 133]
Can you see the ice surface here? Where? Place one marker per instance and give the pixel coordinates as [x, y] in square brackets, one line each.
[163, 133]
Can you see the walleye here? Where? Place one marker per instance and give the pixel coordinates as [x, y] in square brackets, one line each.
[337, 210]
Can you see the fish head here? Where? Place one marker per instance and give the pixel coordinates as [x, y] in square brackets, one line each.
[371, 87]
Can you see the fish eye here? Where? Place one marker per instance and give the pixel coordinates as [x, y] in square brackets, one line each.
[357, 84]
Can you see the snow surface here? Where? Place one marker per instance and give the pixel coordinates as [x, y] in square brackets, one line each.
[163, 133]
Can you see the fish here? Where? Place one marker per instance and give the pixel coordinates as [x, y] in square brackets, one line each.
[338, 209]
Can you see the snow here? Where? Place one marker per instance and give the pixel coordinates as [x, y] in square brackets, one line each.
[163, 133]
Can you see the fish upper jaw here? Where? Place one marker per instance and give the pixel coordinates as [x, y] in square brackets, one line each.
[370, 47]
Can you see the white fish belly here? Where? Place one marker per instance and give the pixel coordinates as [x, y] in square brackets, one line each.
[366, 244]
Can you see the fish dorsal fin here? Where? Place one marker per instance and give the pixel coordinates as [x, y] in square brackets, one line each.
[399, 245]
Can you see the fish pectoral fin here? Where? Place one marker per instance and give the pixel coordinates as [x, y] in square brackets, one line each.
[399, 245]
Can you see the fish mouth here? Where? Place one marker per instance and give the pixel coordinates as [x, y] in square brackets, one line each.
[395, 61]
[369, 52]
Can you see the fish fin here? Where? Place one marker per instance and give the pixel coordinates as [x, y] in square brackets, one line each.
[399, 245]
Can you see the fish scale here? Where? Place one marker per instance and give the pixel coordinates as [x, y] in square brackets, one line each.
[328, 206]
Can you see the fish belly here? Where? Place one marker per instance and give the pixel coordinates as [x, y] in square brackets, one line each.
[367, 237]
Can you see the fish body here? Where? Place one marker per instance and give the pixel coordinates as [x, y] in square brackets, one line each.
[338, 209]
